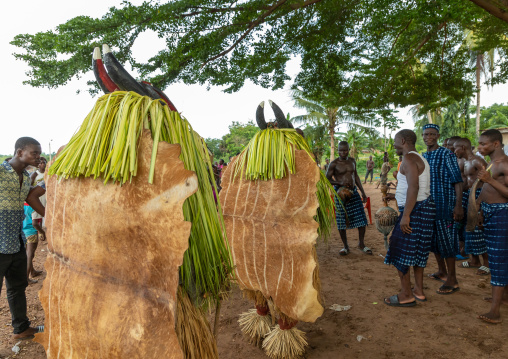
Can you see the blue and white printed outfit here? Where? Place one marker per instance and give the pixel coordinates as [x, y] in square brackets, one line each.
[475, 241]
[412, 250]
[444, 173]
[495, 226]
[354, 210]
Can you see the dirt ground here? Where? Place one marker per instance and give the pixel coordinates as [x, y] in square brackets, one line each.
[443, 327]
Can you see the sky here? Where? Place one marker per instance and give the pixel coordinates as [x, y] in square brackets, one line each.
[52, 116]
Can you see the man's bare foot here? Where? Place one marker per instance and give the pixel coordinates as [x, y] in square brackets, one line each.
[36, 273]
[27, 334]
[489, 299]
[489, 318]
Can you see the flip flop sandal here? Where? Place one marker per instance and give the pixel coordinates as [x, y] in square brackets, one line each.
[366, 250]
[467, 265]
[344, 252]
[446, 290]
[435, 277]
[491, 321]
[484, 270]
[420, 300]
[393, 301]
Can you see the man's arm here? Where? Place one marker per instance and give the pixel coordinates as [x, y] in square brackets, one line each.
[35, 224]
[502, 188]
[458, 211]
[329, 174]
[413, 185]
[33, 176]
[33, 200]
[452, 166]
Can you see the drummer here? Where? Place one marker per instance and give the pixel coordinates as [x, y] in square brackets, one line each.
[349, 211]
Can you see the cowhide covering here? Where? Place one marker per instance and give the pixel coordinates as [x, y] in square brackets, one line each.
[112, 267]
[271, 231]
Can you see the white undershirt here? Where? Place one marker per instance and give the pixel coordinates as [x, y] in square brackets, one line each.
[423, 182]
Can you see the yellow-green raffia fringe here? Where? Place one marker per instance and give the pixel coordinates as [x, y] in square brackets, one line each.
[105, 146]
[271, 154]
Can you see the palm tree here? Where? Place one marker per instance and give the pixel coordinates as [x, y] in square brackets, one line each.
[484, 65]
[315, 137]
[372, 139]
[356, 140]
[318, 114]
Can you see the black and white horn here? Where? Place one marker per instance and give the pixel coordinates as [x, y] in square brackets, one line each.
[279, 116]
[260, 116]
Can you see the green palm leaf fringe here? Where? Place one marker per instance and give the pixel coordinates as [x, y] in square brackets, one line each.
[105, 146]
[271, 154]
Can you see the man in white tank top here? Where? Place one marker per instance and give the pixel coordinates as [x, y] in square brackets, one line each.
[411, 237]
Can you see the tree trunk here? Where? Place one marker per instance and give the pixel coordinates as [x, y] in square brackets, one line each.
[384, 134]
[478, 88]
[332, 142]
[429, 116]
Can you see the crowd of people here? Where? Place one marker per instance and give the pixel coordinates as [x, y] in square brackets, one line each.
[432, 194]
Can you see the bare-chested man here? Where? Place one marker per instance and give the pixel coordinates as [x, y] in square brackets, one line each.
[475, 245]
[349, 213]
[370, 170]
[494, 209]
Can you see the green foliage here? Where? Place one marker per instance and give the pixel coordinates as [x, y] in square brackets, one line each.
[458, 119]
[215, 145]
[354, 54]
[494, 116]
[233, 142]
[317, 139]
[356, 141]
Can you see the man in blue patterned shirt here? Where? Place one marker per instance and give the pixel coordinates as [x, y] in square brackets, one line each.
[446, 190]
[14, 191]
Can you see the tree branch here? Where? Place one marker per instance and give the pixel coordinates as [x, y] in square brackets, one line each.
[252, 25]
[208, 10]
[424, 41]
[259, 21]
[498, 9]
[398, 35]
